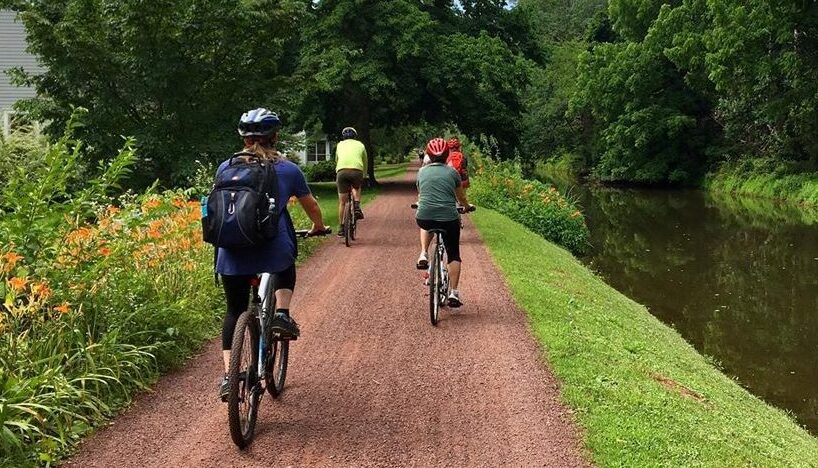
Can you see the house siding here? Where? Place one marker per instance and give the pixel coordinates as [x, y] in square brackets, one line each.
[13, 54]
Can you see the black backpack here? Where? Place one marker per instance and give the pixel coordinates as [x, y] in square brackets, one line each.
[242, 209]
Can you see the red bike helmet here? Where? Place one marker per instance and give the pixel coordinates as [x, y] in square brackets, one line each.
[437, 149]
[453, 143]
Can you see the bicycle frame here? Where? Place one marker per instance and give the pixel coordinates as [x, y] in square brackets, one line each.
[266, 303]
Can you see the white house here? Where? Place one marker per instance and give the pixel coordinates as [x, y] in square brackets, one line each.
[318, 148]
[13, 54]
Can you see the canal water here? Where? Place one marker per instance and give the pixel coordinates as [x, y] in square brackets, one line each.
[738, 279]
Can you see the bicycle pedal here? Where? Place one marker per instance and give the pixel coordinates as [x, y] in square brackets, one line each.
[280, 337]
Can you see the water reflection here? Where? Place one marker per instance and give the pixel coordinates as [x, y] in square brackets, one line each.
[738, 279]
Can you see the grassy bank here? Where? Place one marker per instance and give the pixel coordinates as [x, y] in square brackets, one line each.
[385, 171]
[643, 395]
[765, 178]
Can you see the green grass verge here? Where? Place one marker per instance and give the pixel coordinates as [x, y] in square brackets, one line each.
[327, 195]
[765, 178]
[390, 170]
[642, 394]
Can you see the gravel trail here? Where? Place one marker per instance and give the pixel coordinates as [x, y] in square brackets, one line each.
[370, 382]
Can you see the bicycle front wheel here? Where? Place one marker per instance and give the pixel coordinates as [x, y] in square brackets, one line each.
[243, 399]
[277, 366]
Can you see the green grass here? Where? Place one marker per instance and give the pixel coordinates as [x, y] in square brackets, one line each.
[327, 195]
[765, 178]
[643, 395]
[390, 170]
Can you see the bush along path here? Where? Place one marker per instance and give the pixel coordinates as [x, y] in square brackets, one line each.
[371, 382]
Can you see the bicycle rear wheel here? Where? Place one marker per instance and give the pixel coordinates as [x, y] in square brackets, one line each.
[354, 219]
[434, 287]
[243, 399]
[277, 366]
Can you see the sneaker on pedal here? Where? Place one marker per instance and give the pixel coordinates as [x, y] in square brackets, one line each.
[359, 214]
[285, 326]
[454, 299]
[423, 262]
[224, 389]
[341, 232]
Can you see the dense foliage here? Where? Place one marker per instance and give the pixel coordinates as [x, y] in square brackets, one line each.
[175, 75]
[539, 207]
[663, 92]
[382, 65]
[98, 292]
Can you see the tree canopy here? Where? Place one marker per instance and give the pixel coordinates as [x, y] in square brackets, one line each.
[643, 91]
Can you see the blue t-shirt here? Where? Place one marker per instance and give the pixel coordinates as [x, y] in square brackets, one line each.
[278, 254]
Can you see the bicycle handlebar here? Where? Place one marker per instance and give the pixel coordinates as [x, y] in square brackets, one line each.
[306, 233]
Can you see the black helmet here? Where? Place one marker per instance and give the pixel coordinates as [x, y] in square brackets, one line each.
[259, 122]
[349, 132]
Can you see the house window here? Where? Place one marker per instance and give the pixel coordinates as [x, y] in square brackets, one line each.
[317, 151]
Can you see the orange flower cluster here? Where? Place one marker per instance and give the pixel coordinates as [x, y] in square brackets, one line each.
[158, 232]
[10, 260]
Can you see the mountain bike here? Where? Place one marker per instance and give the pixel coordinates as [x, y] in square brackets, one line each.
[258, 359]
[438, 272]
[350, 220]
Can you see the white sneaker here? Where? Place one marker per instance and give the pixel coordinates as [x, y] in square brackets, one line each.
[454, 299]
[423, 261]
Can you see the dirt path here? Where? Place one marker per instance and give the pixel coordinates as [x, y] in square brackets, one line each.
[371, 382]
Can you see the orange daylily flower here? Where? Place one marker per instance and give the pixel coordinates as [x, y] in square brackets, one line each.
[104, 251]
[18, 283]
[10, 259]
[151, 204]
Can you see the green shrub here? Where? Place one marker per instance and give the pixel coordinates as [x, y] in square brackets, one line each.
[99, 293]
[539, 207]
[767, 178]
[22, 149]
[323, 171]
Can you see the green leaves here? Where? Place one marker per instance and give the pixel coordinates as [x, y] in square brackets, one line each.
[175, 75]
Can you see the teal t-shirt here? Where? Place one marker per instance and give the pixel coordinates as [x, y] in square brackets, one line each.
[436, 184]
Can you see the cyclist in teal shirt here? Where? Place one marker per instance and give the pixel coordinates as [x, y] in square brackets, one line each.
[440, 188]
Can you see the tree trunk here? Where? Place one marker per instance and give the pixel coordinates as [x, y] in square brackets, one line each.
[366, 138]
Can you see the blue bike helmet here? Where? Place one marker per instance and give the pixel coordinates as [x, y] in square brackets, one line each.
[259, 122]
[349, 132]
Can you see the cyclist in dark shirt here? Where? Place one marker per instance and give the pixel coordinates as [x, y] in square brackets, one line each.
[259, 129]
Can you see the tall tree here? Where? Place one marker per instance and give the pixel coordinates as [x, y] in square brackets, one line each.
[360, 64]
[175, 74]
[373, 64]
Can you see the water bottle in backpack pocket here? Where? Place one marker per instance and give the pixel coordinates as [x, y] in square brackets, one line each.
[237, 212]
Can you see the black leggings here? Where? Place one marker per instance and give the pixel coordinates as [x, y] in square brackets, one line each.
[451, 236]
[237, 294]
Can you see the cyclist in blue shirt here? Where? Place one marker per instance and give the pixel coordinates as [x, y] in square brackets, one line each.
[259, 129]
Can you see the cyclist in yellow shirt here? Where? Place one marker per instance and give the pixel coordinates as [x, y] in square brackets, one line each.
[350, 167]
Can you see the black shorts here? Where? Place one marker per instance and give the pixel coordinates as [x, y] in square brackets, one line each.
[349, 178]
[451, 236]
